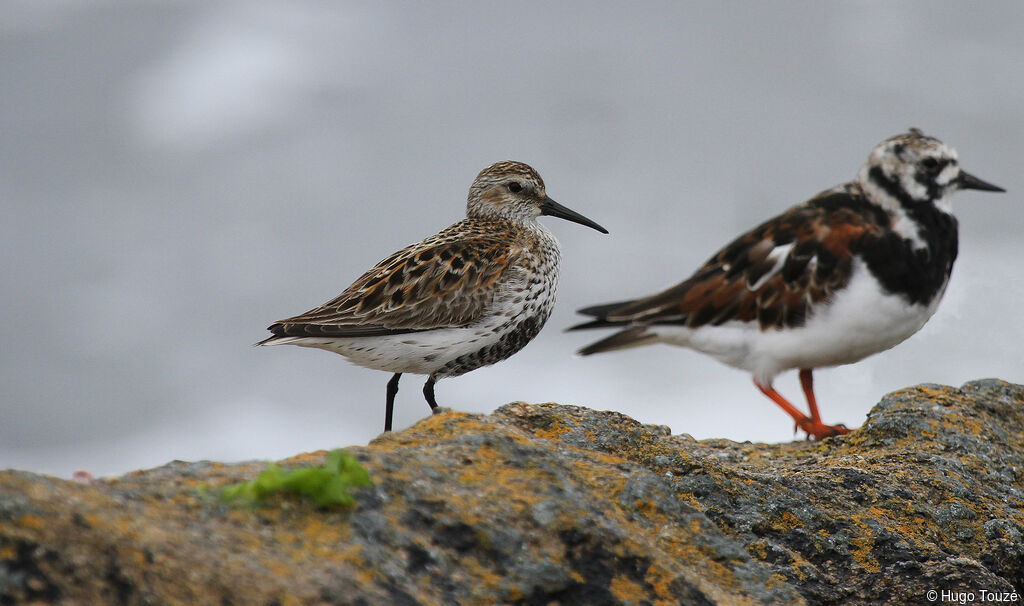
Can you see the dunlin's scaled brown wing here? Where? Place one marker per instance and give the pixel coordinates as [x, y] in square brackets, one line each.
[444, 281]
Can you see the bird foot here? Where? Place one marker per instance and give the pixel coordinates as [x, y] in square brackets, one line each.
[820, 431]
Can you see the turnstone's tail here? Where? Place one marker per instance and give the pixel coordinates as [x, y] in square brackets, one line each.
[600, 312]
[634, 336]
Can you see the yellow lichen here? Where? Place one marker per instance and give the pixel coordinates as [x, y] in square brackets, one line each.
[788, 521]
[30, 521]
[552, 431]
[626, 590]
[758, 550]
[861, 552]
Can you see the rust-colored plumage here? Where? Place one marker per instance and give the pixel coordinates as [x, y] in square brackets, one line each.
[774, 274]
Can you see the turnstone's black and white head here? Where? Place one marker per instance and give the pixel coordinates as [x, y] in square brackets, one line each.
[913, 169]
[853, 271]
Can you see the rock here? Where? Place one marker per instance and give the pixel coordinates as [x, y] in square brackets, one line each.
[549, 504]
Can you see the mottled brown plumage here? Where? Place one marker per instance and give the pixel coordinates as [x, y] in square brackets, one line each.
[469, 296]
[444, 281]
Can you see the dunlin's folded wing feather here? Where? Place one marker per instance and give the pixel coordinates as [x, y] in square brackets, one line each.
[447, 280]
[774, 274]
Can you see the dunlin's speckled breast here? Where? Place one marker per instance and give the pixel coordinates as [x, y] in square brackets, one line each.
[522, 305]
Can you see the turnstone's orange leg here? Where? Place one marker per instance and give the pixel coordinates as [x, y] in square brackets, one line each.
[807, 383]
[799, 417]
[813, 428]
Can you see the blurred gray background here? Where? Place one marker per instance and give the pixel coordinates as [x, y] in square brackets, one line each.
[176, 175]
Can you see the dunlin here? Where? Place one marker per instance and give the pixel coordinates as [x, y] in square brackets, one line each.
[469, 296]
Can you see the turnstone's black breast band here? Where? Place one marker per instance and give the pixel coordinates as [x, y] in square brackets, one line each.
[902, 267]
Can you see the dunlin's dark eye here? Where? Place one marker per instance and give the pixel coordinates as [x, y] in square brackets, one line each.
[515, 187]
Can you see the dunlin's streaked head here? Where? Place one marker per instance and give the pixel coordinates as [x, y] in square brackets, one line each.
[469, 296]
[514, 191]
[849, 273]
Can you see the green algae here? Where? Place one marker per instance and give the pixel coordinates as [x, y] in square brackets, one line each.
[327, 486]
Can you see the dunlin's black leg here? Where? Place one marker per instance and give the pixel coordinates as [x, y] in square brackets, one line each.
[390, 409]
[428, 393]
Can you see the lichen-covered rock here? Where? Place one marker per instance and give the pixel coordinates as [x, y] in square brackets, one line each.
[548, 504]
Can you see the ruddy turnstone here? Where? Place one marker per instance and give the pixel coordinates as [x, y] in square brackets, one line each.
[851, 272]
[469, 296]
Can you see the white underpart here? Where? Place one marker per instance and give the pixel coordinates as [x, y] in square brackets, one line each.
[778, 255]
[862, 320]
[418, 353]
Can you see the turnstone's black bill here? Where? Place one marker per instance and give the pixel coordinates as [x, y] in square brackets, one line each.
[851, 272]
[469, 296]
[969, 181]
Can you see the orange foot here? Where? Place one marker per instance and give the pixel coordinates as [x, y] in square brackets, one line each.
[820, 431]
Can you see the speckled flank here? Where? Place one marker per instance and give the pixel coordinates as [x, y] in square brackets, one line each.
[563, 505]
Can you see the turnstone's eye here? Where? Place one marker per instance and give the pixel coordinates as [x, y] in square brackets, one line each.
[930, 163]
[515, 187]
